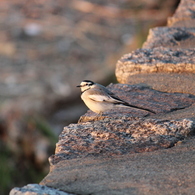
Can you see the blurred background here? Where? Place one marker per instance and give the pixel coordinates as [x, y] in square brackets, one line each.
[46, 49]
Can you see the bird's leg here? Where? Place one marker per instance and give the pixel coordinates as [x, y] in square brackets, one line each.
[99, 115]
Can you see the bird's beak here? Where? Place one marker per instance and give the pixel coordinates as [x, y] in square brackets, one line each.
[78, 86]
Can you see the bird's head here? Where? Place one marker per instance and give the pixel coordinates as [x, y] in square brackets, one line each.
[86, 84]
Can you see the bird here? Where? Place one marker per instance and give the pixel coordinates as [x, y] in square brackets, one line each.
[99, 99]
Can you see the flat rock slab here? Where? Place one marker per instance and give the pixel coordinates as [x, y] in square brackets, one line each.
[156, 60]
[160, 172]
[166, 82]
[117, 136]
[170, 37]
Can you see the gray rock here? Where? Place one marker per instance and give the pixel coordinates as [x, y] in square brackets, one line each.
[184, 15]
[35, 189]
[156, 60]
[118, 153]
[170, 37]
[169, 171]
[117, 136]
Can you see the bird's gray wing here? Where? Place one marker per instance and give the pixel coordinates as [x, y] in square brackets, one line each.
[100, 95]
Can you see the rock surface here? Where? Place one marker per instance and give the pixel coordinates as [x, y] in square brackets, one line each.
[131, 151]
[156, 60]
[46, 49]
[170, 37]
[101, 156]
[117, 136]
[167, 82]
[165, 62]
[35, 189]
[169, 171]
[184, 15]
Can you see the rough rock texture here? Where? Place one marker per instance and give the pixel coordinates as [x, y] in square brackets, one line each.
[169, 171]
[184, 15]
[99, 156]
[35, 189]
[156, 60]
[46, 49]
[170, 37]
[117, 136]
[130, 151]
[166, 61]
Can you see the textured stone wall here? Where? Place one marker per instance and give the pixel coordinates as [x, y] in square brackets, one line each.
[131, 151]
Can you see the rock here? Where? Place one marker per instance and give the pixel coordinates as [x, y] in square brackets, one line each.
[117, 136]
[184, 15]
[156, 60]
[35, 189]
[123, 151]
[132, 151]
[169, 171]
[167, 82]
[165, 62]
[170, 37]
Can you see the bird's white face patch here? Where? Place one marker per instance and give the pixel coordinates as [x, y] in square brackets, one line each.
[84, 85]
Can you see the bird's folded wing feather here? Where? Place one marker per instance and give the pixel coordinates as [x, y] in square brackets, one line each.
[101, 96]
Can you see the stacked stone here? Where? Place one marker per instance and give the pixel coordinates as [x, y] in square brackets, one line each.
[166, 61]
[123, 152]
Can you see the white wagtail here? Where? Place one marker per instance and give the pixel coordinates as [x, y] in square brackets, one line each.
[99, 99]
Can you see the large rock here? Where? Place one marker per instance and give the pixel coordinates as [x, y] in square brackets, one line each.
[122, 152]
[99, 153]
[117, 136]
[132, 151]
[166, 61]
[166, 69]
[169, 171]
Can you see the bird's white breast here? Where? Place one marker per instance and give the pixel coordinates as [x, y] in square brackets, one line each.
[96, 103]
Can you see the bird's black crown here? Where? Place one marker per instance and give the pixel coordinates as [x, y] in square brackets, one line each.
[89, 82]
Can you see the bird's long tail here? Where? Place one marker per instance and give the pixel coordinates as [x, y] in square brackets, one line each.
[125, 104]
